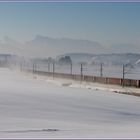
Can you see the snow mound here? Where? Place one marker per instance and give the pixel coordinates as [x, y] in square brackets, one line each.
[59, 83]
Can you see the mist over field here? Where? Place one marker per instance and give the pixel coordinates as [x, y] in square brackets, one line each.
[37, 107]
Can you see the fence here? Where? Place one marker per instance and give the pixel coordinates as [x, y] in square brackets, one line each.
[87, 78]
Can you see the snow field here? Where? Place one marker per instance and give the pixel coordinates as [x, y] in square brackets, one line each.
[30, 105]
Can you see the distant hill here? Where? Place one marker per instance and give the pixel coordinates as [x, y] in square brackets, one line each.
[79, 50]
[47, 46]
[108, 59]
[43, 46]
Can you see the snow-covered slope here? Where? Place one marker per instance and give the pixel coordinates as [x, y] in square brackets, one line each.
[30, 107]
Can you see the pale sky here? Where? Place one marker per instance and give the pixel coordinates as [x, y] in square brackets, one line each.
[110, 24]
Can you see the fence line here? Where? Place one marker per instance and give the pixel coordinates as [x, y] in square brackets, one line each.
[87, 78]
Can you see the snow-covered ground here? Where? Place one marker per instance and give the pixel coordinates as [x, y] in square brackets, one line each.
[35, 107]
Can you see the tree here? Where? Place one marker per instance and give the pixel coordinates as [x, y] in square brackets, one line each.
[65, 60]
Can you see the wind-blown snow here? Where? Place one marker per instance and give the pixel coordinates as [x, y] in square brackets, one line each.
[36, 108]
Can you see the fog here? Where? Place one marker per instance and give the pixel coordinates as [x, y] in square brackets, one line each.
[43, 46]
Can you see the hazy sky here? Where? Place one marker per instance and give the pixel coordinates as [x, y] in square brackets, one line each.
[106, 23]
